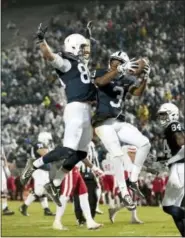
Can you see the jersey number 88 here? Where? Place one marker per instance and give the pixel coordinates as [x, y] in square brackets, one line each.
[84, 73]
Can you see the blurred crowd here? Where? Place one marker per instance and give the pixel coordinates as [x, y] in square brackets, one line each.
[33, 99]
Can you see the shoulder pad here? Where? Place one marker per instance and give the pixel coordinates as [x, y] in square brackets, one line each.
[68, 56]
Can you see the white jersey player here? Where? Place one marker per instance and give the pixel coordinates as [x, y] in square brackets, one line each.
[5, 174]
[71, 67]
[128, 160]
[74, 182]
[40, 176]
[109, 120]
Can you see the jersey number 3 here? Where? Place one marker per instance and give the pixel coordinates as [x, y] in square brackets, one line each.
[84, 74]
[119, 97]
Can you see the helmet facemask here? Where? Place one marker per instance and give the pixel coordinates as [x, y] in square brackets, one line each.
[84, 53]
[120, 56]
[165, 117]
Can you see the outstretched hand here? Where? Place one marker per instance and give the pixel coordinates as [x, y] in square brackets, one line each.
[40, 34]
[89, 29]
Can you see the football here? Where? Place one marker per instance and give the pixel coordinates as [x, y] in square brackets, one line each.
[141, 64]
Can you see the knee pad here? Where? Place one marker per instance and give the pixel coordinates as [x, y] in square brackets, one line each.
[61, 152]
[57, 154]
[176, 212]
[71, 159]
[81, 155]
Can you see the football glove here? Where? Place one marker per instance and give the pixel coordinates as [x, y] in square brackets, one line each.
[40, 34]
[88, 32]
[146, 71]
[123, 69]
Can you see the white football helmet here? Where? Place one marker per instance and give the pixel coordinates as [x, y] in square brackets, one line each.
[46, 138]
[74, 44]
[168, 112]
[121, 56]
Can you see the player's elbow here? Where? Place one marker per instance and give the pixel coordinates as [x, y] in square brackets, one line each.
[136, 93]
[49, 56]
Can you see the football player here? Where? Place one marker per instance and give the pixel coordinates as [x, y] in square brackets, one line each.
[173, 144]
[41, 175]
[71, 67]
[128, 159]
[74, 182]
[5, 174]
[109, 122]
[91, 182]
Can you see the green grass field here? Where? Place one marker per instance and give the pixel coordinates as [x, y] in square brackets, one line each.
[156, 223]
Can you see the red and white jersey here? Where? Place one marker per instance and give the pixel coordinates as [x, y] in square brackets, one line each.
[107, 166]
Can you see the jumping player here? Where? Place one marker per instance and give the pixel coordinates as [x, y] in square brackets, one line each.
[109, 121]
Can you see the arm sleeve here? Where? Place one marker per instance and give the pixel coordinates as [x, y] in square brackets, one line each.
[61, 64]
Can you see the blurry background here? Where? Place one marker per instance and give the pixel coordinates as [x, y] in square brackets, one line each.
[31, 97]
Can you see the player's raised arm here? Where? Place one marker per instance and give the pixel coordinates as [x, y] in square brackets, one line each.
[137, 90]
[56, 60]
[119, 71]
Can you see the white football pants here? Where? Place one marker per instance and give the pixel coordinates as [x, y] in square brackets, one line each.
[174, 192]
[78, 130]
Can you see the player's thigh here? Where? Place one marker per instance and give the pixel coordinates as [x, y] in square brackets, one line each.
[76, 118]
[131, 135]
[81, 187]
[174, 192]
[109, 138]
[72, 134]
[41, 177]
[86, 138]
[67, 185]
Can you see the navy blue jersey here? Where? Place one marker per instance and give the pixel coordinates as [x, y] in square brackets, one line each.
[170, 146]
[110, 98]
[77, 81]
[36, 155]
